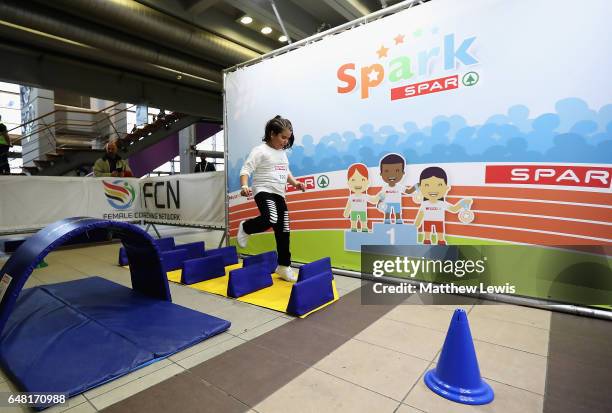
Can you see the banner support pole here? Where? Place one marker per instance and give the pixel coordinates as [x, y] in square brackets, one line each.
[280, 21]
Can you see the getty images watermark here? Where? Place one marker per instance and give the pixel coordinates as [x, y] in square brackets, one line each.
[452, 274]
[420, 274]
[441, 270]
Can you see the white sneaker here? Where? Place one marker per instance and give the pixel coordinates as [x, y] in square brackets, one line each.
[286, 273]
[242, 237]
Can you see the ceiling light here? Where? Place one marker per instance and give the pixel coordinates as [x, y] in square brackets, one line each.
[283, 38]
[246, 20]
[266, 30]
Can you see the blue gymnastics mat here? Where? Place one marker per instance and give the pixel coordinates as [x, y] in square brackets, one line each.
[73, 336]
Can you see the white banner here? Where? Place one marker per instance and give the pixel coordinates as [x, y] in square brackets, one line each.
[441, 82]
[193, 199]
[512, 116]
[34, 202]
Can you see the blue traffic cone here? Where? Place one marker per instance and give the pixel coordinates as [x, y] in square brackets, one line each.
[457, 376]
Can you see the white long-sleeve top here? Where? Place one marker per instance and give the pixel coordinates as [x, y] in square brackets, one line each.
[269, 167]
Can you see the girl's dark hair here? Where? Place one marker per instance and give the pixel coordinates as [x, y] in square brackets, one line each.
[276, 125]
[433, 171]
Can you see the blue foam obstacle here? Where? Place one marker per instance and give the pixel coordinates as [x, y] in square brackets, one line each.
[229, 254]
[246, 280]
[194, 249]
[314, 268]
[173, 259]
[163, 244]
[123, 259]
[11, 245]
[73, 336]
[202, 269]
[313, 288]
[310, 294]
[457, 376]
[268, 259]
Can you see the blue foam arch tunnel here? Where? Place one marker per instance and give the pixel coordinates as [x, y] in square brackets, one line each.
[148, 276]
[73, 336]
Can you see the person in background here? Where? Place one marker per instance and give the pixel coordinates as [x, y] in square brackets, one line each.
[5, 144]
[160, 115]
[205, 166]
[111, 164]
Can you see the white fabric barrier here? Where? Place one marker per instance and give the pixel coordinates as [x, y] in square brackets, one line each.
[32, 202]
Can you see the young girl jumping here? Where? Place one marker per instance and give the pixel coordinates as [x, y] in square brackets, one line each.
[270, 168]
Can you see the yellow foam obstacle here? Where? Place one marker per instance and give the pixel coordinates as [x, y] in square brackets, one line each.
[254, 282]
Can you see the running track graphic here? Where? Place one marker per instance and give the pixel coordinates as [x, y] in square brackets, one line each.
[517, 215]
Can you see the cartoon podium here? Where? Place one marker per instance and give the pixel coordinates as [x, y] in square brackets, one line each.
[382, 234]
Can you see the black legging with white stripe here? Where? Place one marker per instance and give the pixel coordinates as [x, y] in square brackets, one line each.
[274, 213]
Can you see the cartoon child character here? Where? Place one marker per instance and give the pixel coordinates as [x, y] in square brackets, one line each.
[357, 204]
[433, 184]
[390, 196]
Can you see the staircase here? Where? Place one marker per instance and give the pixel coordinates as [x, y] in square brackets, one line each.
[49, 138]
[63, 160]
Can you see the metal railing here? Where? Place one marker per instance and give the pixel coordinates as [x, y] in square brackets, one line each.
[48, 131]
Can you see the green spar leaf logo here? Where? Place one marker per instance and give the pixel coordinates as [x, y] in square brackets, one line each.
[323, 181]
[470, 78]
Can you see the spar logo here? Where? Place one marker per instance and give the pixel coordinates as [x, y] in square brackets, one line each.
[308, 181]
[561, 175]
[119, 194]
[408, 69]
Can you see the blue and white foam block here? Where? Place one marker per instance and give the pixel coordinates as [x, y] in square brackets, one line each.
[382, 234]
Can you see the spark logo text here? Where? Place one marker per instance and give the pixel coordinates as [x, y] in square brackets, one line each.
[405, 67]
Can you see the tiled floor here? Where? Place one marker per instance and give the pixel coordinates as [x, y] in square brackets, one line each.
[347, 358]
